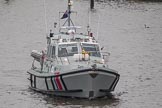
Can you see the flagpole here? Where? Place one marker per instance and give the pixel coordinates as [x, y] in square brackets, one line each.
[69, 10]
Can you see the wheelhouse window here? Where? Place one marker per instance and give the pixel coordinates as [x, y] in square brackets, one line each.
[67, 50]
[92, 49]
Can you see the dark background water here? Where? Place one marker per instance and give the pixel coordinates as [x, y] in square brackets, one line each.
[130, 31]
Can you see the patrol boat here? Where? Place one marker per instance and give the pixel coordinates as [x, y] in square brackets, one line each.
[73, 65]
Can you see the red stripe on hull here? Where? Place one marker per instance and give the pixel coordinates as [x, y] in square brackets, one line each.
[58, 82]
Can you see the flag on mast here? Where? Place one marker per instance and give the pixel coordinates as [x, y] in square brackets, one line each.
[65, 15]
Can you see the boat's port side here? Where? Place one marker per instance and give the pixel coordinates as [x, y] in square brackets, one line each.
[51, 83]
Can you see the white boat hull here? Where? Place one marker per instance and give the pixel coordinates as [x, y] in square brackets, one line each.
[86, 83]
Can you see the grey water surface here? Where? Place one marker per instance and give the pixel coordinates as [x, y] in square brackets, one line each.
[130, 31]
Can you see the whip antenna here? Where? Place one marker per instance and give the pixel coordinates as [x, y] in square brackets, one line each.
[89, 18]
[98, 24]
[45, 15]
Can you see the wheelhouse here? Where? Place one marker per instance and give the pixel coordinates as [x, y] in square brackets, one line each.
[67, 49]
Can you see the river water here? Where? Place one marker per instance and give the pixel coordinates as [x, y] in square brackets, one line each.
[131, 32]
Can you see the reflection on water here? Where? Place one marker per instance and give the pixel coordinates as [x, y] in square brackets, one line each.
[130, 31]
[8, 1]
[76, 102]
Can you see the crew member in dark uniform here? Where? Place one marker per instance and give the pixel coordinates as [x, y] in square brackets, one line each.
[51, 34]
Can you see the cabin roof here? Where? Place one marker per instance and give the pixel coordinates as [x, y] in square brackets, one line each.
[76, 37]
[69, 36]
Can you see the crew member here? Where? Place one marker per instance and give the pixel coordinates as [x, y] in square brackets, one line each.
[42, 60]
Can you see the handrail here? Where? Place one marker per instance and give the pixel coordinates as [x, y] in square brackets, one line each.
[61, 60]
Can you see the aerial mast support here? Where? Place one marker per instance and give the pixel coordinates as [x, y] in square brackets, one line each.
[92, 4]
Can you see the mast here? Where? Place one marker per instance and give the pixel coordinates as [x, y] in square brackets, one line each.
[69, 12]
